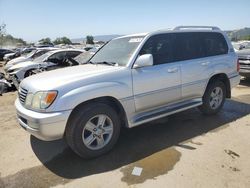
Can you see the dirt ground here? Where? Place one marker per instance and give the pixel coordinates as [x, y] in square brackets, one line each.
[187, 149]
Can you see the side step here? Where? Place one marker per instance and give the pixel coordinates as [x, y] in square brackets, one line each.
[165, 111]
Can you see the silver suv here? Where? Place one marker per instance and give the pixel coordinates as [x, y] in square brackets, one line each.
[130, 81]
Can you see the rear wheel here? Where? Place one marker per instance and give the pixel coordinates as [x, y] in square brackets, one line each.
[93, 130]
[213, 98]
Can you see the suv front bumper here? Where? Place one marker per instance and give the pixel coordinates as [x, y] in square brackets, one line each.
[45, 126]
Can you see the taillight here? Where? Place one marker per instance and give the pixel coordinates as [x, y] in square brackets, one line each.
[238, 65]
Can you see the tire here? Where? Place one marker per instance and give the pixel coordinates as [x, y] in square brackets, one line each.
[210, 106]
[78, 126]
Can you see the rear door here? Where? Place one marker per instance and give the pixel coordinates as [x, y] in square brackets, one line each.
[198, 51]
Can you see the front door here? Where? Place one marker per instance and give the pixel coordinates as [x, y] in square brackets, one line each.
[160, 84]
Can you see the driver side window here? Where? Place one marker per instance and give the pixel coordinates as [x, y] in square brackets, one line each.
[57, 57]
[161, 48]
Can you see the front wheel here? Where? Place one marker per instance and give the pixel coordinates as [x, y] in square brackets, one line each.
[93, 130]
[213, 98]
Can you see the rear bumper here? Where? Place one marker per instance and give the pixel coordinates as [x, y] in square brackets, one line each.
[45, 126]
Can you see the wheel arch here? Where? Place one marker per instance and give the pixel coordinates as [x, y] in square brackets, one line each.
[111, 101]
[224, 78]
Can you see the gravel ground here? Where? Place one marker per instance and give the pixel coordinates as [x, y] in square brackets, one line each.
[185, 150]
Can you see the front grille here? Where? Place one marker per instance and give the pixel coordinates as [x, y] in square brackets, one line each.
[22, 94]
[244, 63]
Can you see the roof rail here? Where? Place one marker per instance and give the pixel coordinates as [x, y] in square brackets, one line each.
[197, 27]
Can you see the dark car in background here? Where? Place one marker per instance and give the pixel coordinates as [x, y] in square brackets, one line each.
[3, 52]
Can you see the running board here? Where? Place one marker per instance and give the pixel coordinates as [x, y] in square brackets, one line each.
[165, 111]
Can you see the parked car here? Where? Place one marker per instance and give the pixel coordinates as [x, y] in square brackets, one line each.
[82, 58]
[244, 61]
[132, 80]
[237, 46]
[49, 61]
[29, 57]
[10, 56]
[3, 52]
[17, 53]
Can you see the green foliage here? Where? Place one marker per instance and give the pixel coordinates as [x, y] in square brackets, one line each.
[62, 40]
[245, 38]
[45, 41]
[89, 39]
[2, 29]
[240, 34]
[8, 40]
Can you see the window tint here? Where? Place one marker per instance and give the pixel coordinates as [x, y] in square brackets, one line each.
[198, 45]
[173, 47]
[215, 44]
[188, 46]
[160, 46]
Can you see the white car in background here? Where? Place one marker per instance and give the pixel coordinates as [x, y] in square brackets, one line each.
[48, 61]
[29, 57]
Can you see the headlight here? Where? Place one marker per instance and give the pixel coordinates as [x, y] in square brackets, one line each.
[40, 100]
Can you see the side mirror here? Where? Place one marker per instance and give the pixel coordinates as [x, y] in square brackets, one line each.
[144, 61]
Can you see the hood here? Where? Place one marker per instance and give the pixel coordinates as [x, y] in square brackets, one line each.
[23, 64]
[59, 78]
[17, 60]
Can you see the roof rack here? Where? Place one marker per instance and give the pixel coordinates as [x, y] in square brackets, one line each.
[197, 27]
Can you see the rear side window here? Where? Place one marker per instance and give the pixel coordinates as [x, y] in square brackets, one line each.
[188, 46]
[215, 44]
[198, 45]
[160, 46]
[173, 47]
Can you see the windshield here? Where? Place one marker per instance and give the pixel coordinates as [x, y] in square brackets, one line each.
[31, 53]
[42, 57]
[117, 51]
[84, 57]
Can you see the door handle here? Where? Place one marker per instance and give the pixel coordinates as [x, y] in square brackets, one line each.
[205, 63]
[173, 70]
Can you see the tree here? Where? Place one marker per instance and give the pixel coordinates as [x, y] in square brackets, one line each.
[2, 29]
[89, 39]
[62, 40]
[7, 39]
[45, 41]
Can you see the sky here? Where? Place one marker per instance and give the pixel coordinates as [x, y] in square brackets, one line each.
[36, 19]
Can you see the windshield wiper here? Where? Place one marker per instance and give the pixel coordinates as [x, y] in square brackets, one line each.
[107, 63]
[90, 62]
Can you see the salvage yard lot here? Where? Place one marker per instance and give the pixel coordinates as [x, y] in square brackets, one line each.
[185, 150]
